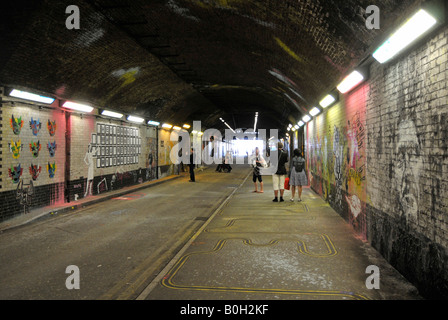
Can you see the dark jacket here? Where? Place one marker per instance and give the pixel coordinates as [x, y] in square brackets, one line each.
[282, 159]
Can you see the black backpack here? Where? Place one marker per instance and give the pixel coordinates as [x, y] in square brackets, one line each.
[298, 165]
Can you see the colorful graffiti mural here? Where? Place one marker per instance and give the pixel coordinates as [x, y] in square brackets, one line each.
[35, 148]
[15, 173]
[15, 148]
[336, 151]
[51, 147]
[35, 126]
[51, 126]
[16, 124]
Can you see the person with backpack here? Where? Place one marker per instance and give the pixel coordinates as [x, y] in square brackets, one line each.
[297, 175]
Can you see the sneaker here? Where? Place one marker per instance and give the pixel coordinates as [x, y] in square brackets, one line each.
[300, 200]
[281, 200]
[292, 200]
[275, 200]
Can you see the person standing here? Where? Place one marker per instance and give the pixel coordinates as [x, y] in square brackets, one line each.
[297, 175]
[191, 165]
[279, 177]
[257, 163]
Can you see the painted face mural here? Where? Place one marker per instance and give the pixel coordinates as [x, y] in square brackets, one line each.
[51, 126]
[407, 168]
[35, 171]
[15, 149]
[35, 126]
[15, 173]
[35, 148]
[51, 148]
[51, 168]
[16, 124]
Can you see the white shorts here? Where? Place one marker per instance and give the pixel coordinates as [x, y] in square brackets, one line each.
[278, 181]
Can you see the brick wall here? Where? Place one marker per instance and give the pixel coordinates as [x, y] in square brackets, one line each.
[92, 155]
[389, 137]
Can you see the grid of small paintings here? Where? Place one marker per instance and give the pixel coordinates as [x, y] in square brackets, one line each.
[116, 145]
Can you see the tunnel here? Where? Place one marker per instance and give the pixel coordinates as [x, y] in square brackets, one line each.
[128, 136]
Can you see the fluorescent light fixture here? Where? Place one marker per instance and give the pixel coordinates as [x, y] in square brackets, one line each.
[314, 112]
[328, 100]
[417, 25]
[167, 126]
[135, 119]
[301, 123]
[293, 129]
[186, 126]
[351, 81]
[200, 133]
[194, 132]
[111, 114]
[177, 128]
[256, 120]
[289, 129]
[77, 106]
[31, 96]
[306, 118]
[296, 127]
[153, 123]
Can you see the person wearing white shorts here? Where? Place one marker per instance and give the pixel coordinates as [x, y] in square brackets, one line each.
[278, 179]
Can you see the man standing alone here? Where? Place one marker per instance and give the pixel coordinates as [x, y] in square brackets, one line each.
[191, 165]
[279, 177]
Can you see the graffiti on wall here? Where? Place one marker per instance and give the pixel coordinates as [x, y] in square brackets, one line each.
[51, 147]
[15, 173]
[336, 147]
[51, 126]
[15, 148]
[16, 124]
[51, 169]
[35, 171]
[35, 148]
[408, 163]
[35, 126]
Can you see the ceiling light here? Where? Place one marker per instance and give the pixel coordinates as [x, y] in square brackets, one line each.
[111, 114]
[31, 96]
[153, 123]
[186, 126]
[306, 118]
[177, 128]
[328, 100]
[314, 112]
[194, 132]
[135, 119]
[405, 35]
[167, 126]
[301, 123]
[351, 81]
[296, 127]
[77, 106]
[293, 129]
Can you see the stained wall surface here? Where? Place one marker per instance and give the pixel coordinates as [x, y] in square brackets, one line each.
[379, 157]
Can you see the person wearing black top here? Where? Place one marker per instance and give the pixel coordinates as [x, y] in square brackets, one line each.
[191, 165]
[279, 177]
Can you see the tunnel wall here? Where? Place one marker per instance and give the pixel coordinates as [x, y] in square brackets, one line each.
[380, 158]
[121, 154]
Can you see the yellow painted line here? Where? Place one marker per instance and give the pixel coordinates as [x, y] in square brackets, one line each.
[167, 281]
[288, 50]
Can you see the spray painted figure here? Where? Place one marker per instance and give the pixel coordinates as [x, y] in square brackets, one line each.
[15, 149]
[88, 159]
[35, 171]
[35, 148]
[51, 126]
[51, 168]
[16, 124]
[51, 148]
[15, 173]
[35, 126]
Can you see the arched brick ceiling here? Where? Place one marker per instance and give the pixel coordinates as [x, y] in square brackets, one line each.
[184, 60]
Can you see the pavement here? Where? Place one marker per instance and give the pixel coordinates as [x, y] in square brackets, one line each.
[210, 240]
